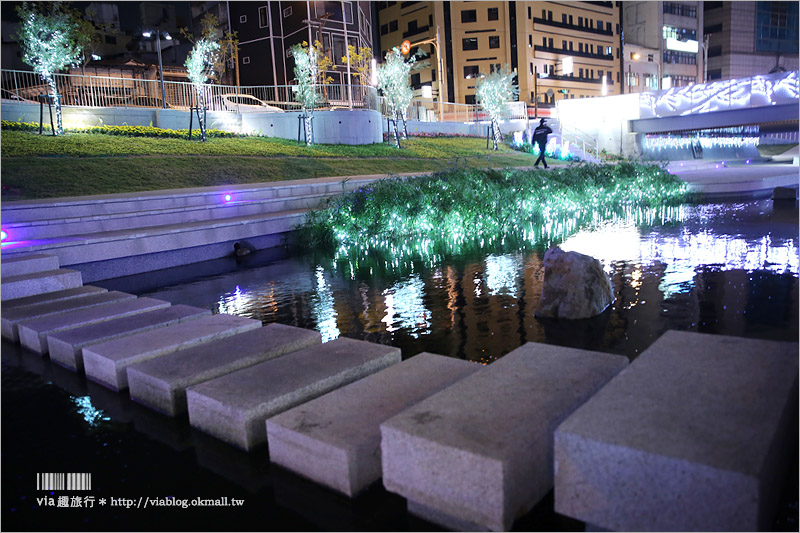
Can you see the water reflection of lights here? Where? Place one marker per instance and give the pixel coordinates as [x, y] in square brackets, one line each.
[684, 253]
[610, 242]
[90, 413]
[502, 274]
[233, 304]
[322, 308]
[405, 307]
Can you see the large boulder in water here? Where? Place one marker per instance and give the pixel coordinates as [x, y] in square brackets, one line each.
[575, 286]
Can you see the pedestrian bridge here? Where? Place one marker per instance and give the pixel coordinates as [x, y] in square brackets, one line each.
[731, 117]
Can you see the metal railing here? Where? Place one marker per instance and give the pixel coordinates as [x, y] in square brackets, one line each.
[101, 91]
[576, 137]
[129, 92]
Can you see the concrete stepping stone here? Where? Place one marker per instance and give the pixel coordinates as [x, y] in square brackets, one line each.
[479, 454]
[235, 407]
[39, 282]
[66, 294]
[161, 383]
[693, 436]
[33, 333]
[107, 362]
[28, 264]
[66, 347]
[335, 439]
[12, 317]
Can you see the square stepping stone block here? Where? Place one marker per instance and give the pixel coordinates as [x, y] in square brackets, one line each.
[479, 454]
[335, 439]
[33, 333]
[66, 294]
[28, 264]
[234, 408]
[107, 362]
[39, 282]
[11, 318]
[66, 347]
[692, 436]
[161, 383]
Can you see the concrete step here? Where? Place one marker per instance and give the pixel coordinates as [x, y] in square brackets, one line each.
[143, 249]
[107, 362]
[33, 333]
[18, 266]
[161, 383]
[11, 318]
[86, 225]
[39, 282]
[234, 408]
[130, 203]
[335, 441]
[66, 347]
[694, 435]
[66, 294]
[479, 454]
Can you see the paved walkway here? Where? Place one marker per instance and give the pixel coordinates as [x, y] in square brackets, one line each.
[717, 180]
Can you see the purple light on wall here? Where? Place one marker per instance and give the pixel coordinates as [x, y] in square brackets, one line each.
[3, 235]
[747, 162]
[227, 198]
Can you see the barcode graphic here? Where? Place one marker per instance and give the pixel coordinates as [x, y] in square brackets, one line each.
[64, 481]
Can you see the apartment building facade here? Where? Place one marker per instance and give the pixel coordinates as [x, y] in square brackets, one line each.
[663, 45]
[558, 49]
[750, 38]
[268, 30]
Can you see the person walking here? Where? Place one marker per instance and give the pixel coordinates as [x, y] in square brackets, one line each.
[540, 137]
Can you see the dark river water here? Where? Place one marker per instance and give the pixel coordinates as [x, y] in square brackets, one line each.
[729, 269]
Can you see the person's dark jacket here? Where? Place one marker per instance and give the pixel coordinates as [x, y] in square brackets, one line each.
[540, 133]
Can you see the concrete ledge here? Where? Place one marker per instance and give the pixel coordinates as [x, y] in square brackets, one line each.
[12, 317]
[335, 439]
[17, 266]
[66, 294]
[234, 408]
[693, 436]
[66, 347]
[161, 383]
[39, 283]
[33, 333]
[107, 362]
[481, 451]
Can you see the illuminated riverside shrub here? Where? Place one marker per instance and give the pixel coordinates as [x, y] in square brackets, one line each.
[460, 211]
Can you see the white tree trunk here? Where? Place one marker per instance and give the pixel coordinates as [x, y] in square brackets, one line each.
[309, 129]
[57, 102]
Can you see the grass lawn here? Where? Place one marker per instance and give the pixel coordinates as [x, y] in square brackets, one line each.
[77, 164]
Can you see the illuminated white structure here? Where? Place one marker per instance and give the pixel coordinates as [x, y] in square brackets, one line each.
[702, 114]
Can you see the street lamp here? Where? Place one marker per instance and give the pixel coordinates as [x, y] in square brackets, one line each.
[168, 37]
[434, 41]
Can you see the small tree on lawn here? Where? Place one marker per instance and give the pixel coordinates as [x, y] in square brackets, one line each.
[393, 80]
[306, 70]
[493, 92]
[228, 44]
[200, 67]
[48, 41]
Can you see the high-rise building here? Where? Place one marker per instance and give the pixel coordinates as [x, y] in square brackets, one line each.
[558, 49]
[268, 30]
[663, 45]
[750, 38]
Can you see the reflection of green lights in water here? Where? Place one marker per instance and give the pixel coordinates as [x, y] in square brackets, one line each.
[396, 221]
[89, 412]
[405, 307]
[322, 308]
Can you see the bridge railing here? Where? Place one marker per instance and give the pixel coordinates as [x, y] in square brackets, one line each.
[742, 93]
